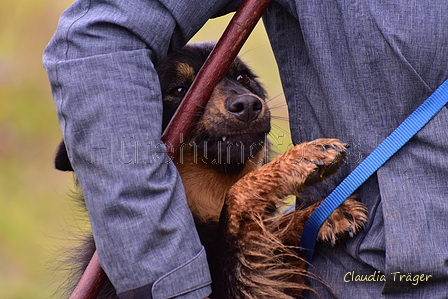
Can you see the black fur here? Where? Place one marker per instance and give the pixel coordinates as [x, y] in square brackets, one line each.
[62, 162]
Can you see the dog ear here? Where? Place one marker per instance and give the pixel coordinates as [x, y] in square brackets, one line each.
[61, 161]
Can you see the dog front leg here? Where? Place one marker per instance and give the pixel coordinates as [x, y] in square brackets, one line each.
[258, 193]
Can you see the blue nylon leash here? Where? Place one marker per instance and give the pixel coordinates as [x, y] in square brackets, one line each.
[408, 128]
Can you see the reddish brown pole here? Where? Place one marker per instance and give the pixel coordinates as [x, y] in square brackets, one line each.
[196, 98]
[91, 281]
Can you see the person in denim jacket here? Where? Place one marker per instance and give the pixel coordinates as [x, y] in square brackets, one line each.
[350, 69]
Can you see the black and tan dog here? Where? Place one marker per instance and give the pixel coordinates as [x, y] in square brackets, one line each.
[232, 195]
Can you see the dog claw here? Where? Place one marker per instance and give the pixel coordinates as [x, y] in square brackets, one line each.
[350, 232]
[343, 148]
[351, 219]
[319, 163]
[316, 162]
[329, 146]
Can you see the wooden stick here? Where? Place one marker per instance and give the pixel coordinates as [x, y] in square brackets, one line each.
[212, 72]
[91, 281]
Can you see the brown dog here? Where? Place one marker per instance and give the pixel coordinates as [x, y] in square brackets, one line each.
[232, 193]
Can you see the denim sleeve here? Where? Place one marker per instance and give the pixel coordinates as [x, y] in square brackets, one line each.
[100, 63]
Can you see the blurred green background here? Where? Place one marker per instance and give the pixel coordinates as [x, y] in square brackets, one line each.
[36, 212]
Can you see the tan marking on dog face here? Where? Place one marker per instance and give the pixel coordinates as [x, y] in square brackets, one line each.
[215, 114]
[185, 71]
[233, 67]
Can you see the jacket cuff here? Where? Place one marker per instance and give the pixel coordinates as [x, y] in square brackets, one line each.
[189, 281]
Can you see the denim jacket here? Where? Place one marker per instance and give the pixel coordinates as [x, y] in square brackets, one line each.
[350, 69]
[354, 70]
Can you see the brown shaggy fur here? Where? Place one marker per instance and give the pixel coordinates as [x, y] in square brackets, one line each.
[269, 262]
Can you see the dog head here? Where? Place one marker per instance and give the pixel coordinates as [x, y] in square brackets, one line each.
[233, 126]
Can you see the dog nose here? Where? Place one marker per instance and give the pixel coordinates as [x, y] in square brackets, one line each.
[244, 107]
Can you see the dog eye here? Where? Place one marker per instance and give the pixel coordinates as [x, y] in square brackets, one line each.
[178, 91]
[242, 78]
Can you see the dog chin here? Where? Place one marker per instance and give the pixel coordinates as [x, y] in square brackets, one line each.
[229, 154]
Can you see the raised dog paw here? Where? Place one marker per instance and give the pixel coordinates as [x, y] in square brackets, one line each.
[346, 220]
[327, 155]
[314, 161]
[259, 192]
